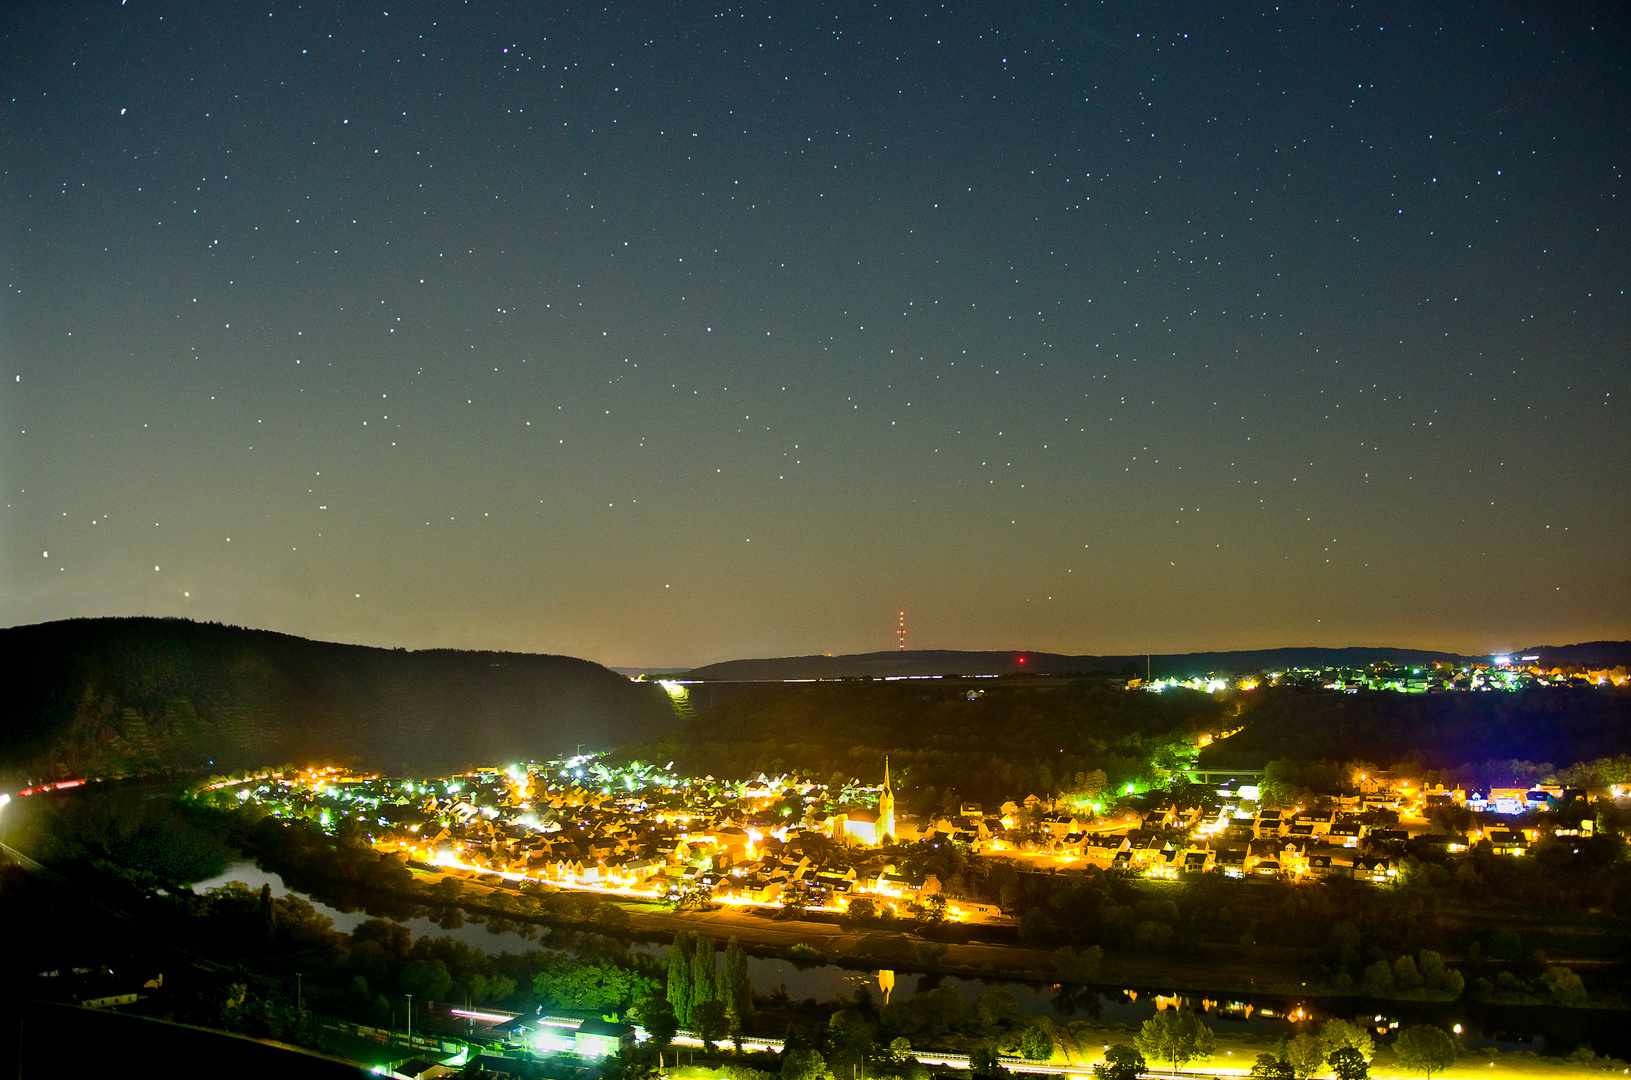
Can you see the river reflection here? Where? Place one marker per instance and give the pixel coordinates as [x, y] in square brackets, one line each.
[1554, 1031]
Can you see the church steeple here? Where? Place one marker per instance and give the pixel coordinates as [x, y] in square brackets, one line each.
[886, 805]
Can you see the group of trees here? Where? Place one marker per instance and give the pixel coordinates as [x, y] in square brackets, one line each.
[1348, 1049]
[381, 957]
[366, 973]
[1426, 977]
[710, 999]
[1178, 1037]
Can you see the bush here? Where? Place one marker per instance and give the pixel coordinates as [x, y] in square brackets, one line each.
[803, 1065]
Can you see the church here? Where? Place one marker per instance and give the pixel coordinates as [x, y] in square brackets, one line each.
[870, 827]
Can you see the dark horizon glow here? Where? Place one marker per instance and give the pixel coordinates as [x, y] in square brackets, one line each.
[669, 335]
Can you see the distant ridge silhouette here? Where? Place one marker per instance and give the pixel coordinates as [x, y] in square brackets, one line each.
[895, 663]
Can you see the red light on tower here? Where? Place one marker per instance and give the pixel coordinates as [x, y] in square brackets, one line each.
[1022, 659]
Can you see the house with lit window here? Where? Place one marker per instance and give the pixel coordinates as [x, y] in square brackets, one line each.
[602, 1038]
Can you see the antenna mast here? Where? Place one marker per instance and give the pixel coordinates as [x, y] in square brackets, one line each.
[900, 632]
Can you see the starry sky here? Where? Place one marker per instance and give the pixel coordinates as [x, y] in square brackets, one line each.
[661, 334]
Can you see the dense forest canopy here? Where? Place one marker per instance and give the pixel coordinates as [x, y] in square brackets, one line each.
[1437, 731]
[946, 741]
[991, 740]
[90, 697]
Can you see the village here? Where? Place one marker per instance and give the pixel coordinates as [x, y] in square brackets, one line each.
[796, 844]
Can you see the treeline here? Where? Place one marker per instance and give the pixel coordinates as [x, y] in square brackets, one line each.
[944, 747]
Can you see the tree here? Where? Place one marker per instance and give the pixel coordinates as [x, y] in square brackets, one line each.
[735, 986]
[576, 985]
[803, 1064]
[696, 898]
[1344, 943]
[657, 1017]
[1175, 1036]
[996, 1008]
[1269, 1067]
[1563, 987]
[485, 988]
[930, 954]
[268, 913]
[1424, 1049]
[1348, 1063]
[862, 908]
[982, 1058]
[1120, 1063]
[1340, 1034]
[703, 979]
[426, 979]
[679, 978]
[1035, 926]
[849, 1039]
[1078, 967]
[1305, 1055]
[1036, 1044]
[708, 1020]
[611, 919]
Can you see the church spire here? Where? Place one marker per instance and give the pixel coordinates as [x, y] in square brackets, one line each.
[886, 805]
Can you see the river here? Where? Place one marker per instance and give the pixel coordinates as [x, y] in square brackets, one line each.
[1533, 1028]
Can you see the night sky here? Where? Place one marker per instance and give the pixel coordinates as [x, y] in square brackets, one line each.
[661, 334]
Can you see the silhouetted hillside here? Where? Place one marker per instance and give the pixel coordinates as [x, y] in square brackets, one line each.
[953, 662]
[1547, 724]
[1587, 654]
[96, 696]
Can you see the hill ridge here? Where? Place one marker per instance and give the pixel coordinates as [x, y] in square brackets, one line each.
[110, 695]
[921, 662]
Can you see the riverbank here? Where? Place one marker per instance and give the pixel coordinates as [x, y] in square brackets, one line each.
[865, 947]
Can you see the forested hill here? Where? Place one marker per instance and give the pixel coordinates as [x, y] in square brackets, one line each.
[947, 741]
[988, 740]
[954, 662]
[99, 696]
[898, 662]
[1556, 725]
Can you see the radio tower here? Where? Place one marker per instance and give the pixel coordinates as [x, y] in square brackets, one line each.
[900, 633]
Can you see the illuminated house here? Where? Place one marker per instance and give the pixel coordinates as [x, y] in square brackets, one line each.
[601, 1038]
